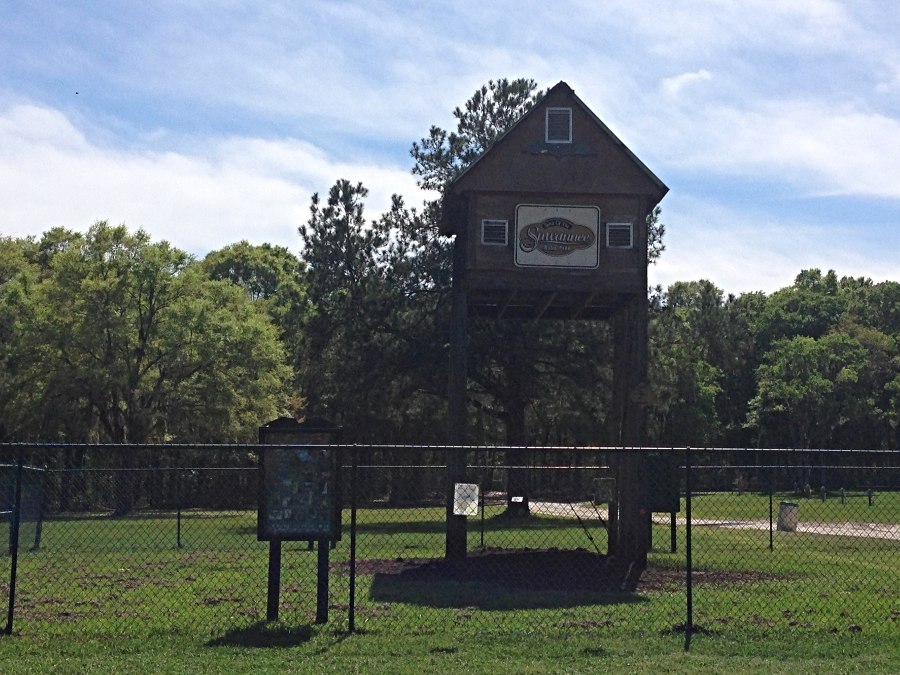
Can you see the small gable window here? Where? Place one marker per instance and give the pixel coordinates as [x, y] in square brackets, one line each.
[619, 235]
[559, 125]
[494, 232]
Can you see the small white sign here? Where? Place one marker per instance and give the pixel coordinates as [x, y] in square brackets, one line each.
[465, 499]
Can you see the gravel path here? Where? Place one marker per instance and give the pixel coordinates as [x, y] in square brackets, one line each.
[847, 529]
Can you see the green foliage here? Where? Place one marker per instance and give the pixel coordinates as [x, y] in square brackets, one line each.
[124, 340]
[825, 392]
[812, 365]
[486, 116]
[369, 345]
[808, 308]
[656, 231]
[275, 280]
[17, 274]
[689, 348]
[270, 275]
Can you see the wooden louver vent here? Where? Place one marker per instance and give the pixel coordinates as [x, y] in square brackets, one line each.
[559, 125]
[619, 235]
[494, 232]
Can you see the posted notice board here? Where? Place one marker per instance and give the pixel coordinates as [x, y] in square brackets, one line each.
[299, 495]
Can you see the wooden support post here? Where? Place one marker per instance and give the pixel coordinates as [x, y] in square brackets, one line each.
[322, 582]
[274, 589]
[629, 375]
[456, 404]
[673, 532]
[612, 529]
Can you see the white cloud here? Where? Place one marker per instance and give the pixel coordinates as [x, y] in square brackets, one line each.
[695, 28]
[749, 250]
[672, 86]
[235, 188]
[810, 147]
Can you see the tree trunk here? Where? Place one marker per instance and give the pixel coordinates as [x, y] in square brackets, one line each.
[124, 476]
[65, 483]
[124, 484]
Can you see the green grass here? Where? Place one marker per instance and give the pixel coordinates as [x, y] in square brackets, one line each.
[285, 649]
[106, 594]
[751, 506]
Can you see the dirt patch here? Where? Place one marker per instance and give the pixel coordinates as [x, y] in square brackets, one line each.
[543, 570]
[664, 579]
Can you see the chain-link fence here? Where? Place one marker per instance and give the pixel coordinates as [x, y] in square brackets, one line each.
[742, 542]
[796, 540]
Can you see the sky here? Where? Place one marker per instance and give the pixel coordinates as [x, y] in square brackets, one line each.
[776, 125]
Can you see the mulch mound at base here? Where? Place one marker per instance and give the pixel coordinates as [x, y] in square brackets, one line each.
[551, 569]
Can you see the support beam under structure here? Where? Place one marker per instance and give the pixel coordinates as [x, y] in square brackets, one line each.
[543, 306]
[506, 303]
[579, 310]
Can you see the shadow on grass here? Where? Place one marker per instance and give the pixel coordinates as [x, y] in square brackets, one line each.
[498, 523]
[500, 581]
[264, 635]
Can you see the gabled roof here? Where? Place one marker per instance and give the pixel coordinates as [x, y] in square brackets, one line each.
[518, 161]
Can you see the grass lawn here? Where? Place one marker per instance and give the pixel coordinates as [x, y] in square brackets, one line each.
[119, 595]
[885, 507]
[290, 649]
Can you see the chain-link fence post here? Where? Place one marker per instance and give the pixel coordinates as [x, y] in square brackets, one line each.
[689, 581]
[14, 543]
[178, 505]
[351, 610]
[771, 508]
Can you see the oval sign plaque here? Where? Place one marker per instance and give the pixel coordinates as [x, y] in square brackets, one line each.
[557, 236]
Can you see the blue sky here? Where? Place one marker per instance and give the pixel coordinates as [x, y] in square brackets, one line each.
[776, 125]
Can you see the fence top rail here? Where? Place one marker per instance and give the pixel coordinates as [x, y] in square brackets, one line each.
[25, 467]
[880, 467]
[374, 447]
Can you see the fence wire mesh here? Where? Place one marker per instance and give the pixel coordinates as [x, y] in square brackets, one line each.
[157, 538]
[797, 540]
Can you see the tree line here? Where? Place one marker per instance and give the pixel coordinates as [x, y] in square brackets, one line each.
[110, 336]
